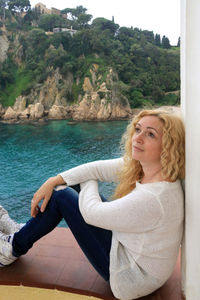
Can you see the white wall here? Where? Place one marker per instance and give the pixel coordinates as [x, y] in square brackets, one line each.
[190, 90]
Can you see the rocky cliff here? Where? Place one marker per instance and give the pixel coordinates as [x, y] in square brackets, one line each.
[102, 99]
[4, 44]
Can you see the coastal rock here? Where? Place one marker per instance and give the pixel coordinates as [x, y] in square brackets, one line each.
[93, 72]
[36, 111]
[102, 100]
[100, 110]
[121, 112]
[87, 86]
[105, 111]
[25, 114]
[10, 114]
[20, 104]
[103, 88]
[57, 112]
[54, 91]
[87, 108]
[53, 99]
[82, 110]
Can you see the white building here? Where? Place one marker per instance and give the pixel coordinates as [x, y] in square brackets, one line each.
[69, 30]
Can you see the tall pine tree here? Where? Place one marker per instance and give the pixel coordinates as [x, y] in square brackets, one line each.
[157, 40]
[165, 42]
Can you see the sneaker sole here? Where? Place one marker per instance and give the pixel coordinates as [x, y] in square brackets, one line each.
[4, 261]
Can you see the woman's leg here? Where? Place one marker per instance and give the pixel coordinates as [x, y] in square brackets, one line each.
[95, 242]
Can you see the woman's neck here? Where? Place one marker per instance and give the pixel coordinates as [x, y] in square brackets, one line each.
[152, 174]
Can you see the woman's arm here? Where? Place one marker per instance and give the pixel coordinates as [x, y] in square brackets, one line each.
[138, 211]
[102, 170]
[105, 170]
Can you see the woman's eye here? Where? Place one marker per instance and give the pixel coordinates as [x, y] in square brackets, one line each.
[150, 134]
[137, 129]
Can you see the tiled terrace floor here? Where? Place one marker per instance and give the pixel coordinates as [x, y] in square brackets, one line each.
[56, 262]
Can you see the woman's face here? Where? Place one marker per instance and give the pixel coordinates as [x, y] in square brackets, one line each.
[147, 140]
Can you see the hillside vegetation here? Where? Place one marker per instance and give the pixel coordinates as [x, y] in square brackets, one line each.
[146, 65]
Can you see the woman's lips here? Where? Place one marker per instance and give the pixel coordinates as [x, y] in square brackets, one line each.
[137, 149]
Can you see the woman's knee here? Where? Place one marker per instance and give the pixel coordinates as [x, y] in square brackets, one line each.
[67, 196]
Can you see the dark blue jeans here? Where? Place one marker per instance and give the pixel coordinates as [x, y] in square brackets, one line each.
[95, 242]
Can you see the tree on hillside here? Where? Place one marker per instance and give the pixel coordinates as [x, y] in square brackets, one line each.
[32, 16]
[19, 5]
[82, 21]
[48, 22]
[56, 57]
[79, 18]
[126, 35]
[3, 4]
[102, 24]
[130, 38]
[149, 36]
[179, 42]
[165, 42]
[6, 76]
[157, 40]
[37, 44]
[82, 43]
[74, 13]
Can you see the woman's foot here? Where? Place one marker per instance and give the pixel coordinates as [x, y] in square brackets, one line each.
[9, 226]
[6, 256]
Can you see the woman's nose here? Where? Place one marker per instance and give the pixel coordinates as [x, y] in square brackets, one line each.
[139, 137]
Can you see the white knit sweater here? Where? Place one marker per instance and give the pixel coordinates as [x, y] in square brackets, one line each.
[147, 226]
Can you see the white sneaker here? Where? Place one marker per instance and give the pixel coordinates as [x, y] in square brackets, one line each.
[9, 226]
[6, 257]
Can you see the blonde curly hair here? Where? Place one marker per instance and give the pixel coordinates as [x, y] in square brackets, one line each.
[172, 155]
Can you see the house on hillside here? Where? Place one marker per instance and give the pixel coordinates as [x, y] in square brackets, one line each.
[69, 30]
[45, 10]
[55, 11]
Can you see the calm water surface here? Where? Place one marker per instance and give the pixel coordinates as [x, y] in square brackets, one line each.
[30, 153]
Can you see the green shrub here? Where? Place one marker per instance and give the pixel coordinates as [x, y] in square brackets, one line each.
[137, 99]
[170, 99]
[16, 88]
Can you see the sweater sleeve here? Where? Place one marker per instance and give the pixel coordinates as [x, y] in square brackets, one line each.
[102, 170]
[138, 211]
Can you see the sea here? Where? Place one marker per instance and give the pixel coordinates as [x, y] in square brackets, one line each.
[31, 153]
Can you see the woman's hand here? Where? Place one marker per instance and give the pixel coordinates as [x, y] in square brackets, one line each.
[44, 193]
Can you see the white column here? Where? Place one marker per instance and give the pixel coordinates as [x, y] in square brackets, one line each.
[190, 88]
[183, 108]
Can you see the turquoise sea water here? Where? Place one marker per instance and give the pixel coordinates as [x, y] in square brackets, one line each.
[30, 153]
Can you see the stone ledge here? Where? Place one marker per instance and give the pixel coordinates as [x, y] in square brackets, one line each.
[57, 262]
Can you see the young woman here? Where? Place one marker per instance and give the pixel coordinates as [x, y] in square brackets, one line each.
[132, 241]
